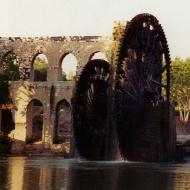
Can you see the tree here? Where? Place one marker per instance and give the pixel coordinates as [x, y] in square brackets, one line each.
[40, 69]
[70, 75]
[10, 73]
[11, 67]
[64, 76]
[180, 89]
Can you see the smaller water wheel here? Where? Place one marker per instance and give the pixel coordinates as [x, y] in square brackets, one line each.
[90, 110]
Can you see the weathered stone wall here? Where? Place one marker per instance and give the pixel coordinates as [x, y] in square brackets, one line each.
[54, 48]
[23, 92]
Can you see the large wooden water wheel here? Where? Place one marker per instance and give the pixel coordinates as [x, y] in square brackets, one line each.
[143, 57]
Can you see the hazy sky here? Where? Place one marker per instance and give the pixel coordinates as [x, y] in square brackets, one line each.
[94, 17]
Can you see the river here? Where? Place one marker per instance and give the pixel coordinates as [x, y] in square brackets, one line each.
[56, 173]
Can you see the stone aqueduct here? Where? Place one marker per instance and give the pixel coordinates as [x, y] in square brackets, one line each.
[26, 89]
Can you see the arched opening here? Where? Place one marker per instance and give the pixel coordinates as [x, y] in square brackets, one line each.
[68, 68]
[34, 121]
[40, 67]
[98, 55]
[62, 130]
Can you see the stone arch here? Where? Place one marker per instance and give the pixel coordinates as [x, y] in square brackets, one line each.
[62, 129]
[39, 67]
[98, 55]
[34, 121]
[67, 67]
[10, 65]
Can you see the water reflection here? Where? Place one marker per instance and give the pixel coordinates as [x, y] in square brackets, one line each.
[181, 178]
[20, 173]
[16, 173]
[86, 179]
[142, 179]
[32, 174]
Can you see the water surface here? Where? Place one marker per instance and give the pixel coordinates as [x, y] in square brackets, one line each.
[50, 173]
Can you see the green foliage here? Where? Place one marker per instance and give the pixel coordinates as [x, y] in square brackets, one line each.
[180, 88]
[4, 91]
[64, 76]
[11, 68]
[40, 69]
[70, 75]
[10, 73]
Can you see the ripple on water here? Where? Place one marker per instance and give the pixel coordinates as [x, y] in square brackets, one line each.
[75, 174]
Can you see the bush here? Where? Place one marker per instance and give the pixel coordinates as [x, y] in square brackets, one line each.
[30, 140]
[5, 144]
